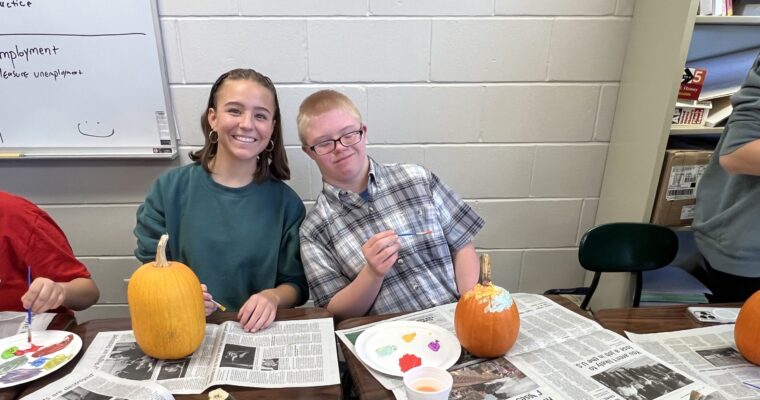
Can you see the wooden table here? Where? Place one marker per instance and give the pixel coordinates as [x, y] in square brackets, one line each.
[88, 330]
[60, 322]
[366, 385]
[652, 319]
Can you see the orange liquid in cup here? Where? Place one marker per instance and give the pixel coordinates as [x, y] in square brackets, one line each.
[427, 385]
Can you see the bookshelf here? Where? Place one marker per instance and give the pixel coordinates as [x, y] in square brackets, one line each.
[679, 130]
[662, 38]
[733, 20]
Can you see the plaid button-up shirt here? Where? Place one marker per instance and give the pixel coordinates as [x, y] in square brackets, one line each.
[404, 198]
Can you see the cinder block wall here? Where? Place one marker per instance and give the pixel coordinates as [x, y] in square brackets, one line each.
[510, 102]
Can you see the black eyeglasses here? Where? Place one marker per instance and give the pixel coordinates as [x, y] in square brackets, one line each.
[328, 146]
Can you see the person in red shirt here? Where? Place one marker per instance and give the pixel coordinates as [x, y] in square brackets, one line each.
[30, 238]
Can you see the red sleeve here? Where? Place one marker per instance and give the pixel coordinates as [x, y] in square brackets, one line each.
[50, 254]
[28, 236]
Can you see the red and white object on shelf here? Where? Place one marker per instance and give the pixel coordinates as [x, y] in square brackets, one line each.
[691, 83]
[691, 113]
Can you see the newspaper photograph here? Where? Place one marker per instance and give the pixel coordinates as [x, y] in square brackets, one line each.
[708, 353]
[287, 354]
[558, 355]
[95, 385]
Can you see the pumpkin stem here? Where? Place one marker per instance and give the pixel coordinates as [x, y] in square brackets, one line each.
[485, 269]
[161, 261]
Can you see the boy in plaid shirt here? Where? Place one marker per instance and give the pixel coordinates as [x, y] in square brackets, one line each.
[354, 258]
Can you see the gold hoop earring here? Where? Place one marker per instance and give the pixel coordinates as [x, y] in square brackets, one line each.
[270, 147]
[213, 136]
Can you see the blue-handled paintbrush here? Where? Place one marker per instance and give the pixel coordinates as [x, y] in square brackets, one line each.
[427, 232]
[29, 310]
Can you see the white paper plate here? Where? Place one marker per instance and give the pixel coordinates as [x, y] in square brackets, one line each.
[19, 369]
[382, 346]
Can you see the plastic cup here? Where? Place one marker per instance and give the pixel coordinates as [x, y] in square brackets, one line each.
[428, 383]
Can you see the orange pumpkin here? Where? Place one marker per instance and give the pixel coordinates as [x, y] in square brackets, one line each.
[747, 329]
[486, 318]
[166, 306]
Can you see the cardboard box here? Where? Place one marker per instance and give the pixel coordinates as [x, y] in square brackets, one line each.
[677, 190]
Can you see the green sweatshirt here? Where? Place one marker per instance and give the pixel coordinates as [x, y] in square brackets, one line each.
[238, 241]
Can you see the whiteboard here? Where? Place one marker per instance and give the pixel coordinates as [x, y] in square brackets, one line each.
[83, 78]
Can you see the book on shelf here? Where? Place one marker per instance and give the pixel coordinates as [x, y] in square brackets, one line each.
[692, 81]
[725, 72]
[672, 284]
[717, 8]
[721, 110]
[705, 7]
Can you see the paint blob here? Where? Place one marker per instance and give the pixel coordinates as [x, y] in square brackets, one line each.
[13, 364]
[19, 375]
[56, 361]
[386, 350]
[409, 361]
[54, 347]
[409, 337]
[9, 353]
[32, 348]
[38, 362]
[435, 345]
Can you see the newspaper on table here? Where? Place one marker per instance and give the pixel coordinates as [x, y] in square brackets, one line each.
[13, 322]
[95, 384]
[299, 353]
[708, 353]
[558, 355]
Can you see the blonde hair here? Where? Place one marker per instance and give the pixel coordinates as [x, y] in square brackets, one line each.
[319, 103]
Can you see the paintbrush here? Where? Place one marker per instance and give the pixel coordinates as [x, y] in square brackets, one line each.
[427, 232]
[29, 310]
[221, 307]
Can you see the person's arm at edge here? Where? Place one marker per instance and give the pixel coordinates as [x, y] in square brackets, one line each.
[744, 160]
[150, 224]
[81, 293]
[466, 268]
[744, 122]
[291, 288]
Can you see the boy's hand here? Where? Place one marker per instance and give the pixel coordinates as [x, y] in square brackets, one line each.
[43, 295]
[381, 252]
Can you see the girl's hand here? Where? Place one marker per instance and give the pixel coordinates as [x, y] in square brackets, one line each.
[259, 311]
[209, 305]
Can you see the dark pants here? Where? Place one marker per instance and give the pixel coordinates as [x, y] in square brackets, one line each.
[726, 288]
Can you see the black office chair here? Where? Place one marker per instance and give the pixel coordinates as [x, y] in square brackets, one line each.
[623, 247]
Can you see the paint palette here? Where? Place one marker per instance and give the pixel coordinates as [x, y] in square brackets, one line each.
[20, 362]
[398, 346]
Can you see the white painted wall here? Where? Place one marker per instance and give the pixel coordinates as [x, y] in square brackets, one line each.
[510, 102]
